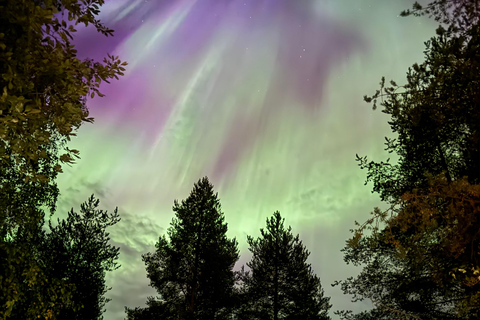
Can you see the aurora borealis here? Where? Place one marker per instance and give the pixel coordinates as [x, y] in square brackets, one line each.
[262, 96]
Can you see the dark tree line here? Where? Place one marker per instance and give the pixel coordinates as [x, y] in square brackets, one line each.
[420, 258]
[192, 269]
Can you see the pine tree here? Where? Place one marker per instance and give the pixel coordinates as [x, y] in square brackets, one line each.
[192, 267]
[77, 250]
[73, 257]
[280, 283]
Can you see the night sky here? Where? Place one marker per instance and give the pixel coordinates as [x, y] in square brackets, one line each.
[262, 96]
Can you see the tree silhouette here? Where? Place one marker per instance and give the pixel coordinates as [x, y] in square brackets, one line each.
[191, 268]
[78, 251]
[74, 256]
[43, 90]
[280, 283]
[421, 256]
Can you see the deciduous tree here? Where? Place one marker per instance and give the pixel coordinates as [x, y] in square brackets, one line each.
[43, 83]
[421, 257]
[43, 92]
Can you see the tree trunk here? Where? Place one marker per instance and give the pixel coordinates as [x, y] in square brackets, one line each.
[443, 160]
[197, 248]
[275, 294]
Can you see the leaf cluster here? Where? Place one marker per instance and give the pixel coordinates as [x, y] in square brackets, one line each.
[435, 116]
[411, 262]
[43, 85]
[459, 16]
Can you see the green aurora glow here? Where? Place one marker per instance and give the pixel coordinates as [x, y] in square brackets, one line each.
[234, 101]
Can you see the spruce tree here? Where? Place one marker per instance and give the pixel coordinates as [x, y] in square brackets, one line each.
[280, 283]
[78, 250]
[192, 267]
[73, 256]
